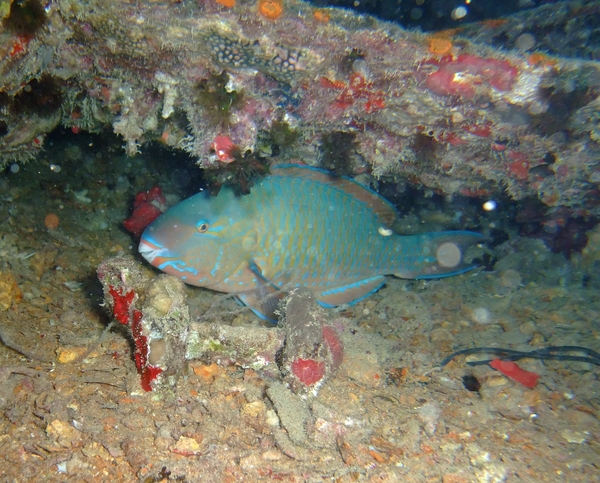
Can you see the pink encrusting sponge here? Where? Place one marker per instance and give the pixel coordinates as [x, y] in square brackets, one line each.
[147, 207]
[313, 351]
[308, 371]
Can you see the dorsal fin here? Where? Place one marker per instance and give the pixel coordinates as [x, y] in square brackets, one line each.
[384, 210]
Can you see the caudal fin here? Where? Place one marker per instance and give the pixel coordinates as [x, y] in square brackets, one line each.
[437, 255]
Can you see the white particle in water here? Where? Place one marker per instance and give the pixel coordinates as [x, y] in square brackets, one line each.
[510, 278]
[525, 42]
[14, 168]
[481, 315]
[490, 205]
[448, 255]
[416, 13]
[458, 13]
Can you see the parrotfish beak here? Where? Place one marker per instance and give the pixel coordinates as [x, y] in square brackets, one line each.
[152, 251]
[164, 259]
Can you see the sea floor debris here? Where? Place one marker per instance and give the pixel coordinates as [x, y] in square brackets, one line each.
[78, 408]
[306, 348]
[555, 353]
[71, 402]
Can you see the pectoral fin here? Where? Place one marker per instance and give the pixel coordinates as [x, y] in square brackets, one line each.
[264, 299]
[351, 293]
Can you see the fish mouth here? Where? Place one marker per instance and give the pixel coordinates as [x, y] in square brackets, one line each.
[161, 258]
[151, 250]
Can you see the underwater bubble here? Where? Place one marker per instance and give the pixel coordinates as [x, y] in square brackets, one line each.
[416, 13]
[181, 178]
[14, 168]
[429, 412]
[401, 188]
[490, 205]
[161, 302]
[248, 243]
[73, 153]
[481, 315]
[525, 42]
[500, 290]
[122, 185]
[458, 13]
[537, 107]
[448, 255]
[510, 278]
[457, 117]
[361, 67]
[569, 86]
[559, 137]
[55, 168]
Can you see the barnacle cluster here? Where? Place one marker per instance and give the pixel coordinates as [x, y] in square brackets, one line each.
[337, 150]
[239, 173]
[84, 112]
[280, 137]
[393, 102]
[216, 99]
[39, 96]
[24, 18]
[230, 50]
[127, 40]
[33, 108]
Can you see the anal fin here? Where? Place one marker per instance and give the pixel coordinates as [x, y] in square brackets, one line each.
[351, 293]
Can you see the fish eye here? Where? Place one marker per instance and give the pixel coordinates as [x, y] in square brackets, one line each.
[202, 227]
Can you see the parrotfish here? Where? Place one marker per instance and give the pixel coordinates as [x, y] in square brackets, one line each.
[299, 227]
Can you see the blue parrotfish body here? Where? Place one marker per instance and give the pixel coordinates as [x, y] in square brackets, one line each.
[299, 227]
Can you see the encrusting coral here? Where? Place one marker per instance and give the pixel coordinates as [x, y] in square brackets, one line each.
[205, 75]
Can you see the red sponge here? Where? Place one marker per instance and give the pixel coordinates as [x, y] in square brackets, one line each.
[148, 206]
[308, 371]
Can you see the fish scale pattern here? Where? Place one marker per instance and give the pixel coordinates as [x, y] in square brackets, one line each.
[326, 233]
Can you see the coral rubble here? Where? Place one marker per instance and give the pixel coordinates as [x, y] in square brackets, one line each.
[307, 347]
[313, 349]
[156, 314]
[194, 74]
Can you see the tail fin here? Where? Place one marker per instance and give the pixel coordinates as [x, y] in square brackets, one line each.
[437, 255]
